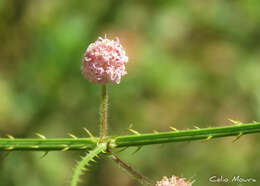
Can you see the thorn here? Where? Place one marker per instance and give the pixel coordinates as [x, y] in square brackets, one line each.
[83, 147]
[134, 131]
[196, 127]
[155, 131]
[9, 136]
[93, 160]
[73, 136]
[89, 133]
[174, 129]
[85, 169]
[40, 135]
[235, 122]
[131, 126]
[238, 137]
[207, 139]
[34, 146]
[138, 148]
[9, 148]
[45, 154]
[65, 149]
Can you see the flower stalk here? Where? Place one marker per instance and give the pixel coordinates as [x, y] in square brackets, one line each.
[103, 112]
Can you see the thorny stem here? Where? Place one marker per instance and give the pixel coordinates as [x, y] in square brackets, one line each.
[131, 171]
[85, 162]
[205, 134]
[103, 112]
[50, 144]
[64, 144]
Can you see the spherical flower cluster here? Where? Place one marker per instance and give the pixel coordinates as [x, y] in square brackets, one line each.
[104, 61]
[173, 181]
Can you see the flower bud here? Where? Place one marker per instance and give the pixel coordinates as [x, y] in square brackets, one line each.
[104, 62]
[173, 181]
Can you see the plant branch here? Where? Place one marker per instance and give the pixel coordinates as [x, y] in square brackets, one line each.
[64, 144]
[58, 144]
[185, 135]
[85, 162]
[142, 179]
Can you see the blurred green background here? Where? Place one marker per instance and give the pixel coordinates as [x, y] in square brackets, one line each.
[190, 63]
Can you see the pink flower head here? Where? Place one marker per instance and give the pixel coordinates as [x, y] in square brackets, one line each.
[173, 181]
[104, 61]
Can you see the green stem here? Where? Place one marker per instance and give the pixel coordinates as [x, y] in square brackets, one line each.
[185, 135]
[142, 179]
[58, 144]
[103, 112]
[62, 144]
[85, 162]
